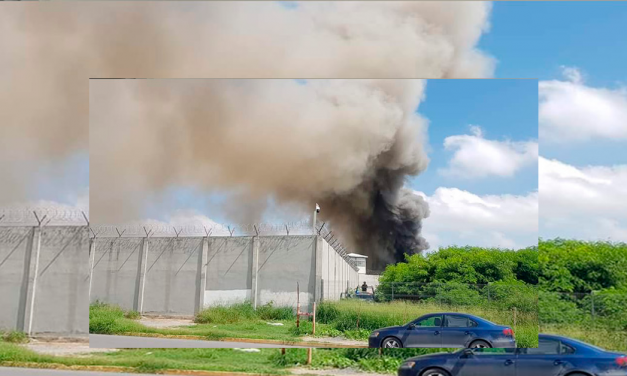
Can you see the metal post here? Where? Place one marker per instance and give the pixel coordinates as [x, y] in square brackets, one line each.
[313, 331]
[592, 301]
[297, 305]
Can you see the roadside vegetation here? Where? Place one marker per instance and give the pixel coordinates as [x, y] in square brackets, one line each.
[216, 323]
[356, 319]
[583, 291]
[263, 361]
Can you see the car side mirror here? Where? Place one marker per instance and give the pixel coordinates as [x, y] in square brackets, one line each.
[411, 326]
[468, 353]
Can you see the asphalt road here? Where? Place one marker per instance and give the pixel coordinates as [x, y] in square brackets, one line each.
[130, 342]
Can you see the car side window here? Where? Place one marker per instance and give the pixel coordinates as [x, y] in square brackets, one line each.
[433, 321]
[452, 321]
[493, 351]
[565, 349]
[545, 347]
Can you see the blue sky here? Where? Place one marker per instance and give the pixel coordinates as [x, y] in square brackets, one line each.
[504, 109]
[533, 39]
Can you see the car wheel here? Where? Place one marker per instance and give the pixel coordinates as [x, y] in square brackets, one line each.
[480, 345]
[391, 343]
[435, 372]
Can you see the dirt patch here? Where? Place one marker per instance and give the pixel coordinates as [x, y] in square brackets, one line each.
[336, 341]
[62, 347]
[332, 372]
[163, 322]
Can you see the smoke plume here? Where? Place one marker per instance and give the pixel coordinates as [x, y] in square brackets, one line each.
[50, 49]
[345, 144]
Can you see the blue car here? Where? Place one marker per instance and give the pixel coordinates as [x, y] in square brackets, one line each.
[555, 356]
[445, 330]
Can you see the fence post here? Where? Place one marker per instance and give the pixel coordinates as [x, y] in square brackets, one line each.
[592, 300]
[515, 319]
[254, 272]
[313, 331]
[140, 281]
[92, 257]
[201, 276]
[392, 291]
[29, 285]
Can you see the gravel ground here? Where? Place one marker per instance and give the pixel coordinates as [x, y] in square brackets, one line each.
[63, 347]
[162, 322]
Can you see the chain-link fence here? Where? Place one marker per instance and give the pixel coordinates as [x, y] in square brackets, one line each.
[594, 306]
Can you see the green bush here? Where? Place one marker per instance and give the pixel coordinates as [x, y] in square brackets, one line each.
[14, 337]
[552, 309]
[226, 314]
[242, 312]
[270, 312]
[111, 319]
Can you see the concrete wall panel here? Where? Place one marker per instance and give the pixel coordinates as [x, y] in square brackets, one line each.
[171, 275]
[62, 296]
[14, 243]
[115, 270]
[229, 263]
[285, 261]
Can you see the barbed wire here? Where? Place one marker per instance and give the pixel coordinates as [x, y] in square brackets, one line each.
[36, 215]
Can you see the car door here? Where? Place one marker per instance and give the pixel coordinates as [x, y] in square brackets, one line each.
[487, 362]
[425, 332]
[544, 360]
[457, 331]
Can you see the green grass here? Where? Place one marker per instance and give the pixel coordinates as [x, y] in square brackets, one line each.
[13, 337]
[358, 318]
[155, 360]
[238, 321]
[267, 361]
[352, 319]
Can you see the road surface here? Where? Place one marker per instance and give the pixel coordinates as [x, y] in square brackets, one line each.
[130, 342]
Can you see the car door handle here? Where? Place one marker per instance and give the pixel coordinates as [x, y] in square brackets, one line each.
[467, 333]
[558, 362]
[509, 362]
[436, 333]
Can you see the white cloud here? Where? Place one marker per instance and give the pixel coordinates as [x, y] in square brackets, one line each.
[571, 111]
[477, 157]
[460, 217]
[583, 202]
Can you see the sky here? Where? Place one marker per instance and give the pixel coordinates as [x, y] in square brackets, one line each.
[579, 60]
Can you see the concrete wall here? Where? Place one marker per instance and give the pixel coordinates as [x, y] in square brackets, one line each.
[229, 265]
[181, 275]
[46, 269]
[286, 262]
[336, 274]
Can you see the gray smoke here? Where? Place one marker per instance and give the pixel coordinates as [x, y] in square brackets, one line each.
[50, 49]
[345, 144]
